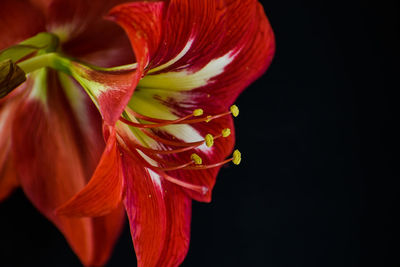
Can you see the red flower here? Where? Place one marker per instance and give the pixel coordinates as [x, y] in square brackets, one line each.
[166, 117]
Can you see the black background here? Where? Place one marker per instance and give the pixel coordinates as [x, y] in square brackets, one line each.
[318, 185]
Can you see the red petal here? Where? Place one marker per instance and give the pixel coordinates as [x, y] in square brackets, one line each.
[159, 215]
[113, 101]
[73, 18]
[84, 33]
[142, 22]
[106, 230]
[251, 32]
[104, 191]
[198, 22]
[19, 21]
[8, 176]
[87, 34]
[112, 90]
[55, 156]
[117, 87]
[210, 50]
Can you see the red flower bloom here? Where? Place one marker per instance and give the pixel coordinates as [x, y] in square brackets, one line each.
[166, 117]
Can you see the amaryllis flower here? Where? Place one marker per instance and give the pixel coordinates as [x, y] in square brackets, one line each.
[166, 118]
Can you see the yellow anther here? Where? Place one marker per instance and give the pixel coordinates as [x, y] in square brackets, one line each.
[196, 158]
[234, 110]
[226, 132]
[209, 140]
[197, 112]
[208, 118]
[237, 157]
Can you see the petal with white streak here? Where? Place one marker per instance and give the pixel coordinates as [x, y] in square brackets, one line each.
[159, 214]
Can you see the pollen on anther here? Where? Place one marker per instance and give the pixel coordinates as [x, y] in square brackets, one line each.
[198, 112]
[226, 132]
[234, 110]
[237, 157]
[196, 158]
[209, 140]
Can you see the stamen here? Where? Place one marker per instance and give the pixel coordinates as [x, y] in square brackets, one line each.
[209, 139]
[197, 112]
[163, 152]
[237, 157]
[207, 118]
[170, 142]
[198, 188]
[226, 132]
[210, 166]
[196, 159]
[235, 110]
[175, 168]
[155, 125]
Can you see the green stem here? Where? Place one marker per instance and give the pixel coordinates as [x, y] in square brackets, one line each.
[52, 60]
[41, 43]
[38, 62]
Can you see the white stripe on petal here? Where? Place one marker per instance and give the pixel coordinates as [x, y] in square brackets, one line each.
[175, 59]
[156, 178]
[187, 80]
